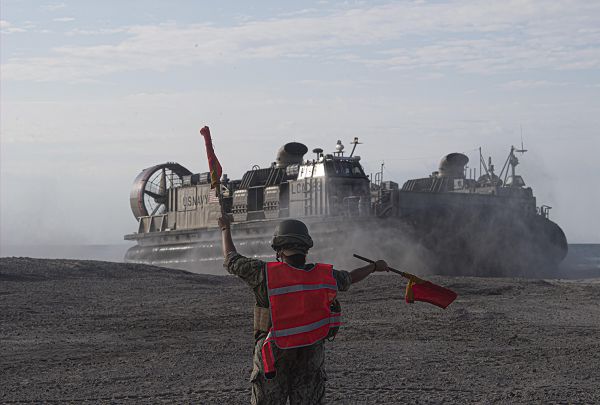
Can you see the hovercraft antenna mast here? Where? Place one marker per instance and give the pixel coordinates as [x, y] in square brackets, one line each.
[354, 143]
[522, 150]
[511, 162]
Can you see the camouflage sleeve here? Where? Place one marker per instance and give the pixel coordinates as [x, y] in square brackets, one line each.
[343, 279]
[248, 269]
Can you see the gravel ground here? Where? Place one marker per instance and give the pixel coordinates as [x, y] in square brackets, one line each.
[83, 331]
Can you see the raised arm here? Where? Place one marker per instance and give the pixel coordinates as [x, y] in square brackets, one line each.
[361, 273]
[226, 239]
[248, 269]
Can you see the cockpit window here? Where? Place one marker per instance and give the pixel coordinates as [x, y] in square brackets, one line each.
[344, 168]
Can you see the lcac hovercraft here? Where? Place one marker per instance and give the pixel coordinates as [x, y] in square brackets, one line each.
[451, 222]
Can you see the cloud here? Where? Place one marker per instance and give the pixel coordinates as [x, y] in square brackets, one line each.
[531, 84]
[461, 36]
[339, 83]
[90, 32]
[54, 6]
[63, 19]
[299, 12]
[7, 28]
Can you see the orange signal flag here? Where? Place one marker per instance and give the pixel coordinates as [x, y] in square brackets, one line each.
[426, 291]
[213, 163]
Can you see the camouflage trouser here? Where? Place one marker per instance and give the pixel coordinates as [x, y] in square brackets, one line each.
[300, 376]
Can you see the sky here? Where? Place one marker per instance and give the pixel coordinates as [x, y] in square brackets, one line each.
[93, 92]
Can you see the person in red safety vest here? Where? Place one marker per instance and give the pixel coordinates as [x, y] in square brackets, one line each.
[296, 311]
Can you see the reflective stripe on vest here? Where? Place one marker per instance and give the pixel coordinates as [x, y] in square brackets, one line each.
[300, 287]
[300, 306]
[332, 320]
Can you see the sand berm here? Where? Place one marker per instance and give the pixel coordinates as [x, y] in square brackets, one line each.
[86, 331]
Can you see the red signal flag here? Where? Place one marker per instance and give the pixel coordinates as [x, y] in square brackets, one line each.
[426, 291]
[213, 163]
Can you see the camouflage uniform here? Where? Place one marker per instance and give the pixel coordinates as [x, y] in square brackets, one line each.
[300, 375]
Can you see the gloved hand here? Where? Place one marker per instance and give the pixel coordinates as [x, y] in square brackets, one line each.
[381, 265]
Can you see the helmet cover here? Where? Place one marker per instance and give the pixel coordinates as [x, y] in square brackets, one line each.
[292, 234]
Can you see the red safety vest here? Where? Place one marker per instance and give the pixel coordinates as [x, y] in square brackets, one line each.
[300, 306]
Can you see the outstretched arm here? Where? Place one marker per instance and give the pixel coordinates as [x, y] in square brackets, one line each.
[362, 272]
[226, 239]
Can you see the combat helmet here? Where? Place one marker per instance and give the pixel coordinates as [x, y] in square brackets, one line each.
[293, 235]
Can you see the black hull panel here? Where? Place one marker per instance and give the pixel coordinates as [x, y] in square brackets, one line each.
[422, 242]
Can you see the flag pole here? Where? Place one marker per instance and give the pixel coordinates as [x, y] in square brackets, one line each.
[219, 195]
[402, 273]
